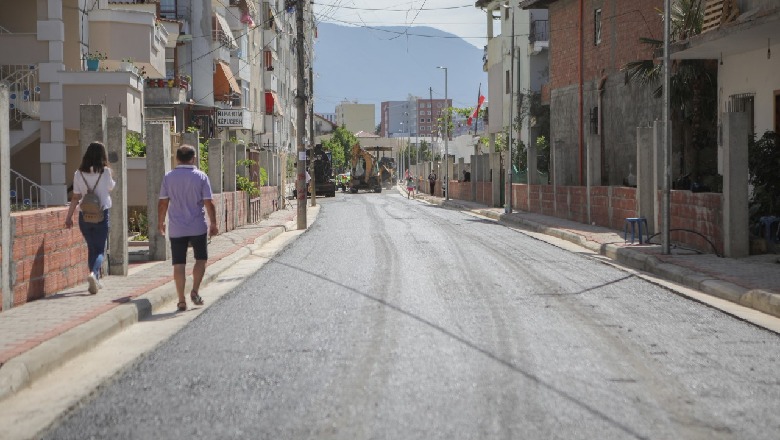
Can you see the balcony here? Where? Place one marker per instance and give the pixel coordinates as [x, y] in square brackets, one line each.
[128, 34]
[540, 31]
[121, 92]
[166, 91]
[540, 36]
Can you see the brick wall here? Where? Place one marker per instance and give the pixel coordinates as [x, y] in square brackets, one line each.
[700, 212]
[268, 203]
[611, 205]
[47, 258]
[622, 24]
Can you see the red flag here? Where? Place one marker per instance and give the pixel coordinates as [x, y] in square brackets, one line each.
[476, 110]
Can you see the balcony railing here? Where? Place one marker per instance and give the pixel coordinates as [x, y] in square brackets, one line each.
[24, 90]
[539, 31]
[26, 194]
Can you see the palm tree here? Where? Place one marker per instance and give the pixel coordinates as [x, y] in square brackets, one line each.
[693, 94]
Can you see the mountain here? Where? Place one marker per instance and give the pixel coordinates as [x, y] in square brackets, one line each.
[371, 65]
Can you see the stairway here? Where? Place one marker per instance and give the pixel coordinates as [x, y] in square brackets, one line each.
[24, 100]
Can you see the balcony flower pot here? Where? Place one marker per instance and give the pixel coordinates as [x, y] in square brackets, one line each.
[126, 66]
[93, 64]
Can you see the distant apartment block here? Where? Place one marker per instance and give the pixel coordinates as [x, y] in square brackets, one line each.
[414, 117]
[356, 117]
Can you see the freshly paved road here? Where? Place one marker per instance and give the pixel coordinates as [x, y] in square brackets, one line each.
[394, 319]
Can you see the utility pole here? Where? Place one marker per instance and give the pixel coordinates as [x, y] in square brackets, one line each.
[508, 208]
[311, 137]
[300, 104]
[666, 210]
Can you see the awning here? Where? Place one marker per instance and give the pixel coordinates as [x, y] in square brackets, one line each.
[225, 84]
[225, 28]
[271, 103]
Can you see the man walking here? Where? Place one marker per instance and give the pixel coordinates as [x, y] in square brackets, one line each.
[185, 194]
[432, 181]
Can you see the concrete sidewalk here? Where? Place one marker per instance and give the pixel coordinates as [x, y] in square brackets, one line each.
[752, 282]
[40, 336]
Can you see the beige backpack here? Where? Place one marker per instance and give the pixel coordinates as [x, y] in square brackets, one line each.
[91, 208]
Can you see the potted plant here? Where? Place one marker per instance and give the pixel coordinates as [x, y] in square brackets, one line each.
[126, 65]
[93, 60]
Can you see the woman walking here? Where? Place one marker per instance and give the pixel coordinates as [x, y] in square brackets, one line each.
[92, 183]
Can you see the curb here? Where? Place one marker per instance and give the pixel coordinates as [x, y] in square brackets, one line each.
[22, 370]
[758, 299]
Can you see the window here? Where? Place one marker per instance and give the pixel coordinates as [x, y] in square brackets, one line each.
[744, 103]
[597, 27]
[168, 9]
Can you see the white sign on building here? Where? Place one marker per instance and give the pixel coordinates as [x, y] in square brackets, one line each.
[233, 118]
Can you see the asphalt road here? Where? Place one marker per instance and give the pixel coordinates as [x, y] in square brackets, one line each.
[395, 319]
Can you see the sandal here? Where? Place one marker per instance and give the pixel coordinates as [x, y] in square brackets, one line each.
[196, 299]
[182, 306]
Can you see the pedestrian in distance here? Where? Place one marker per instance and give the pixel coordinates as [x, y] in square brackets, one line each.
[410, 187]
[185, 196]
[92, 183]
[432, 181]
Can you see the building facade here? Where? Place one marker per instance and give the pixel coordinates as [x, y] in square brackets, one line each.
[415, 117]
[193, 64]
[593, 108]
[356, 117]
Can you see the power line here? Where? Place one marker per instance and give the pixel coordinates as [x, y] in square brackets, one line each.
[393, 10]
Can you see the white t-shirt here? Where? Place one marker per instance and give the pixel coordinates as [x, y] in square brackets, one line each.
[102, 189]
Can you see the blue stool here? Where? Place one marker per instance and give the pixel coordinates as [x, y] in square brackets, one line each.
[636, 223]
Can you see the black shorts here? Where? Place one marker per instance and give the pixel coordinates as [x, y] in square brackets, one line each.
[179, 248]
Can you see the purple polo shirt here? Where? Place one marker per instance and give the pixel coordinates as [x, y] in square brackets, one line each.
[186, 187]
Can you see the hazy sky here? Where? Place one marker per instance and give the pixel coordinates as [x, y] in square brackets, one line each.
[458, 17]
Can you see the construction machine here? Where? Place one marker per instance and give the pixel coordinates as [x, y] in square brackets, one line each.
[387, 172]
[365, 171]
[324, 185]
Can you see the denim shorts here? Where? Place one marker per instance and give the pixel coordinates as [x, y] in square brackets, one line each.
[179, 248]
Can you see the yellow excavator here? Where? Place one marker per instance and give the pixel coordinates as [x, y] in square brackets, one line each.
[365, 171]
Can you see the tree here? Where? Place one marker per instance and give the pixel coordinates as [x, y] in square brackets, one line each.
[339, 146]
[763, 163]
[693, 92]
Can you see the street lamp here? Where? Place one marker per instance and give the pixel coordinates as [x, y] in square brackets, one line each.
[508, 207]
[446, 137]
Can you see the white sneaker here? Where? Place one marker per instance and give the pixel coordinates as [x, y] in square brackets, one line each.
[99, 283]
[93, 288]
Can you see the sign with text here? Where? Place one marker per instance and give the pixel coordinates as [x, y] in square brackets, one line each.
[233, 118]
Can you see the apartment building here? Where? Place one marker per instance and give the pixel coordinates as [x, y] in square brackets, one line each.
[593, 107]
[744, 37]
[517, 62]
[224, 67]
[415, 117]
[356, 117]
